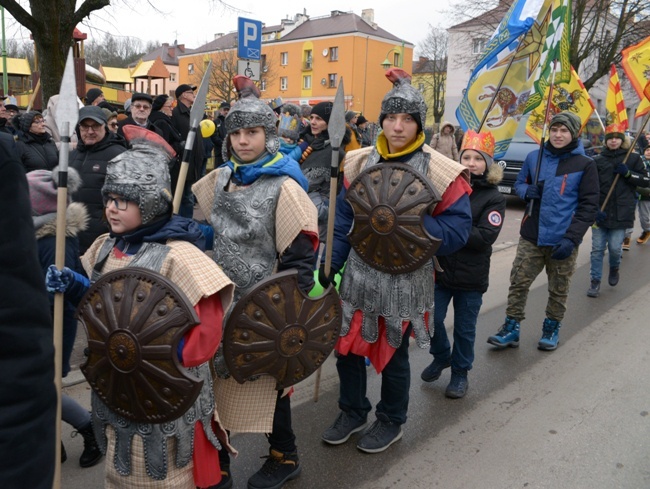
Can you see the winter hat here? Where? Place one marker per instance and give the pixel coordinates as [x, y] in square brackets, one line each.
[571, 121]
[482, 142]
[323, 110]
[615, 131]
[182, 89]
[24, 121]
[141, 175]
[306, 110]
[349, 115]
[43, 185]
[92, 94]
[109, 114]
[250, 111]
[158, 102]
[94, 113]
[141, 96]
[127, 105]
[361, 120]
[224, 105]
[289, 125]
[403, 98]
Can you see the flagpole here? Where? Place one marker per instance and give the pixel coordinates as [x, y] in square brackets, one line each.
[540, 154]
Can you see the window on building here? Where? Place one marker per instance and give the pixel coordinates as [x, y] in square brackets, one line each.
[334, 53]
[264, 67]
[397, 61]
[332, 80]
[262, 85]
[478, 45]
[284, 59]
[190, 68]
[309, 60]
[421, 87]
[224, 65]
[306, 82]
[172, 77]
[284, 83]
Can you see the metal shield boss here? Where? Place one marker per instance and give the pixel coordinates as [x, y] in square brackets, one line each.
[276, 329]
[135, 319]
[389, 201]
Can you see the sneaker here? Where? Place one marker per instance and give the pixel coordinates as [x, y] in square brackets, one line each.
[613, 276]
[626, 244]
[226, 479]
[342, 428]
[381, 434]
[279, 468]
[458, 384]
[550, 335]
[434, 370]
[508, 335]
[643, 239]
[594, 289]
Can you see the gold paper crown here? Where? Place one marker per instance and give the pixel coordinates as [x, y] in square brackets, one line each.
[615, 128]
[479, 141]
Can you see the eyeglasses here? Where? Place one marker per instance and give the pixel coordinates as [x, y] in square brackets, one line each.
[141, 106]
[121, 204]
[38, 121]
[88, 127]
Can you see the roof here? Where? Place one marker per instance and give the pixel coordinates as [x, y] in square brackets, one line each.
[227, 41]
[18, 66]
[337, 24]
[426, 65]
[153, 69]
[490, 18]
[168, 54]
[116, 75]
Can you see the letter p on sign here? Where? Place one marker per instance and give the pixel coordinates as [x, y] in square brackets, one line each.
[249, 38]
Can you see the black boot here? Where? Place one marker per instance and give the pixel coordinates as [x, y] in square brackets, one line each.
[91, 454]
[278, 469]
[613, 276]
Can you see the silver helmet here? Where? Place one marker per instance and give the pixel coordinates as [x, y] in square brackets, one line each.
[250, 111]
[403, 98]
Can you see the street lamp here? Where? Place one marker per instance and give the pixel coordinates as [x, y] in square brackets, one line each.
[396, 50]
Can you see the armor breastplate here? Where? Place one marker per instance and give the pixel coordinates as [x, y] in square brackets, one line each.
[244, 224]
[397, 298]
[154, 436]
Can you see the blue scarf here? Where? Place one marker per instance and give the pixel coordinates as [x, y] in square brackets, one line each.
[267, 164]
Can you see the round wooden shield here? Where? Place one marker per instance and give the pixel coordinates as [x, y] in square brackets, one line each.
[389, 201]
[134, 319]
[276, 329]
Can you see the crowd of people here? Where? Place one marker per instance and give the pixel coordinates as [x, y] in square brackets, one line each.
[265, 209]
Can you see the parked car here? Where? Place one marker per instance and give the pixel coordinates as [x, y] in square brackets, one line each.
[522, 144]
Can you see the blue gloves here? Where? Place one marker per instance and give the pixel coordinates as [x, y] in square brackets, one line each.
[622, 170]
[533, 192]
[600, 217]
[563, 249]
[66, 280]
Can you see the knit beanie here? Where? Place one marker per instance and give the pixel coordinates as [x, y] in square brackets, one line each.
[24, 121]
[158, 102]
[92, 94]
[570, 121]
[403, 98]
[323, 110]
[43, 188]
[349, 115]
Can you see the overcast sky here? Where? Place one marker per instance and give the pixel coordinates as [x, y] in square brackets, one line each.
[195, 22]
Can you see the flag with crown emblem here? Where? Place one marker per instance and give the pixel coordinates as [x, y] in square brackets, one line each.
[636, 63]
[614, 103]
[571, 96]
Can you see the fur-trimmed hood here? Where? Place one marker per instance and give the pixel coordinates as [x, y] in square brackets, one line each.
[494, 174]
[76, 221]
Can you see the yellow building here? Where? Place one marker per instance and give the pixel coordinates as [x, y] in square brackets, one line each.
[304, 61]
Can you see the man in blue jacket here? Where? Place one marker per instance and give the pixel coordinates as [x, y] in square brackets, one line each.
[566, 202]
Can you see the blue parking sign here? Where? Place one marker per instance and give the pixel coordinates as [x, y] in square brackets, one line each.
[249, 38]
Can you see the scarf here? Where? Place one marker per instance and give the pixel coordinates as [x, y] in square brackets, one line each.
[267, 164]
[567, 149]
[405, 155]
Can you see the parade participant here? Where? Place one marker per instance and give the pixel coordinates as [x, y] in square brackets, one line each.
[351, 118]
[5, 121]
[35, 146]
[619, 212]
[289, 131]
[251, 244]
[566, 202]
[444, 142]
[465, 274]
[362, 126]
[644, 202]
[137, 197]
[111, 120]
[94, 96]
[43, 197]
[161, 117]
[96, 146]
[181, 121]
[141, 104]
[220, 135]
[12, 110]
[377, 325]
[28, 414]
[316, 161]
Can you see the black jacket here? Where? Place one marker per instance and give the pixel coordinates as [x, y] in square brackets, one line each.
[219, 138]
[469, 267]
[37, 154]
[181, 121]
[90, 162]
[129, 121]
[27, 393]
[622, 202]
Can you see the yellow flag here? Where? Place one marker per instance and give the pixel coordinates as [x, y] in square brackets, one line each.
[636, 63]
[570, 96]
[614, 103]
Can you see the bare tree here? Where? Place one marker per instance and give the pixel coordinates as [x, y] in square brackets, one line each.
[116, 51]
[16, 49]
[600, 29]
[432, 70]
